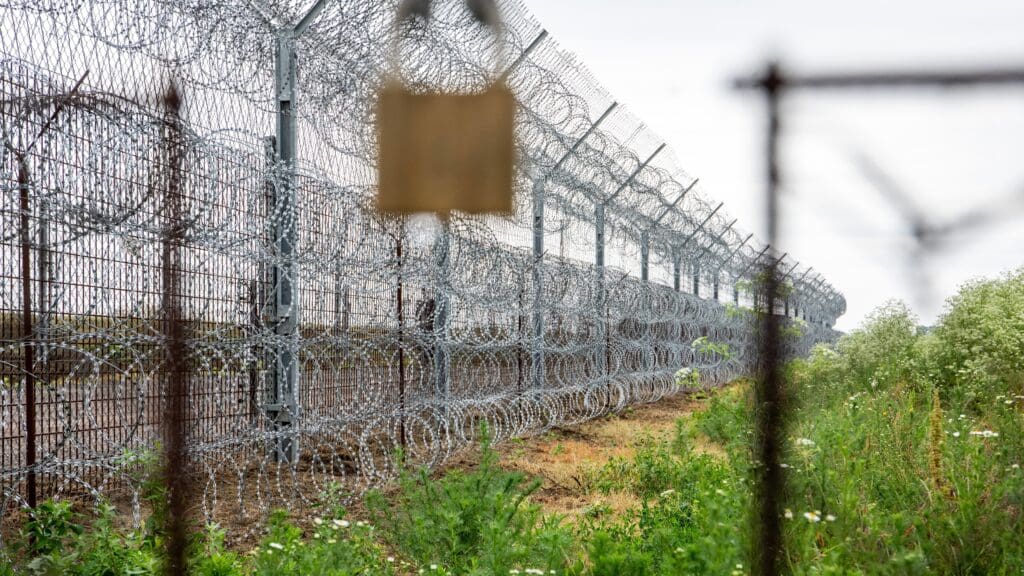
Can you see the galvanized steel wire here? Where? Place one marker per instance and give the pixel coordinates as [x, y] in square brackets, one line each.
[409, 334]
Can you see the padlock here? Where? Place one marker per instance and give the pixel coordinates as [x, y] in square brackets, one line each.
[445, 152]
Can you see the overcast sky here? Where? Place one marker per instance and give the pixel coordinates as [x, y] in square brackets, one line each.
[672, 62]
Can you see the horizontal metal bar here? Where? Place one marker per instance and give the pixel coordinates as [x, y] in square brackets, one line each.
[893, 79]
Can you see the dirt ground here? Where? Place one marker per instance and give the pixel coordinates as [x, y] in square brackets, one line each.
[565, 458]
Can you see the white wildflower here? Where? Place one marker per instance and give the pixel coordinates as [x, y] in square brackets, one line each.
[318, 521]
[667, 493]
[276, 546]
[804, 442]
[984, 433]
[391, 558]
[830, 518]
[813, 516]
[788, 514]
[433, 566]
[956, 434]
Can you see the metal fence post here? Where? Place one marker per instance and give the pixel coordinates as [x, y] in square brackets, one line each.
[521, 335]
[601, 296]
[645, 255]
[442, 322]
[537, 371]
[677, 262]
[282, 408]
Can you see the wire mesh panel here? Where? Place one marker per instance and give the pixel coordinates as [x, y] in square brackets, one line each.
[319, 335]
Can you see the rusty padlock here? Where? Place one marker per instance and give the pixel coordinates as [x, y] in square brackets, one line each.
[445, 152]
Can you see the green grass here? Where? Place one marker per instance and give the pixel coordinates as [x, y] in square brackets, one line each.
[903, 456]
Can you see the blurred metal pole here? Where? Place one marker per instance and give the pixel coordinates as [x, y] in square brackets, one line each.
[770, 406]
[177, 363]
[894, 79]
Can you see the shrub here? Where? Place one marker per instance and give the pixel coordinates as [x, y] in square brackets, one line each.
[882, 352]
[982, 338]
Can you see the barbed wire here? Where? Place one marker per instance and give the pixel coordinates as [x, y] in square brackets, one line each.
[403, 335]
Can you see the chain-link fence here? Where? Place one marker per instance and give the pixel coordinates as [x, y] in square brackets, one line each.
[225, 253]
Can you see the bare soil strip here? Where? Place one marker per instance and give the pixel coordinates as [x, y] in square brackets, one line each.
[566, 458]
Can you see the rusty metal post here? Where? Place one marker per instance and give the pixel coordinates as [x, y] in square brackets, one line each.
[27, 332]
[177, 362]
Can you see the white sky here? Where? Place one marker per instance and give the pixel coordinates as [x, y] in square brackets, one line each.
[672, 63]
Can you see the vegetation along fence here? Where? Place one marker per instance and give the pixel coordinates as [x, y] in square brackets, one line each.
[217, 254]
